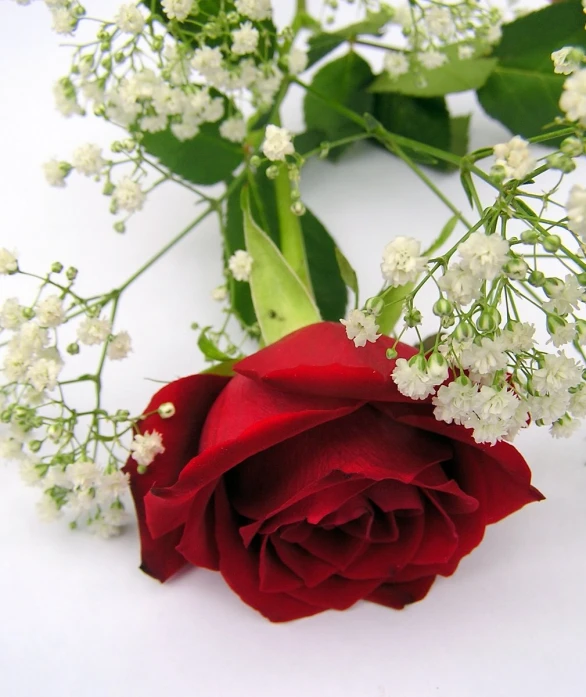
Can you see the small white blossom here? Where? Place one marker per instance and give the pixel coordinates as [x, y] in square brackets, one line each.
[566, 297]
[485, 358]
[567, 60]
[93, 331]
[115, 516]
[573, 99]
[47, 509]
[129, 19]
[10, 448]
[8, 261]
[145, 447]
[360, 328]
[63, 21]
[56, 476]
[177, 9]
[558, 373]
[565, 427]
[110, 487]
[412, 380]
[220, 294]
[119, 346]
[128, 195]
[11, 314]
[576, 208]
[65, 100]
[297, 61]
[432, 59]
[30, 473]
[439, 22]
[454, 402]
[519, 337]
[240, 265]
[207, 61]
[465, 52]
[87, 159]
[562, 334]
[55, 172]
[494, 34]
[233, 129]
[257, 10]
[43, 374]
[549, 408]
[460, 285]
[578, 402]
[49, 312]
[396, 63]
[484, 255]
[83, 474]
[244, 39]
[103, 528]
[402, 261]
[277, 143]
[515, 158]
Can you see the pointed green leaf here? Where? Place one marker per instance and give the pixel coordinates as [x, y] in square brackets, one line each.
[209, 349]
[393, 308]
[281, 302]
[225, 368]
[347, 272]
[523, 92]
[443, 237]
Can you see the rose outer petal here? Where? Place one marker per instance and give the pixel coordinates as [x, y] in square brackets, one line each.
[192, 397]
[321, 360]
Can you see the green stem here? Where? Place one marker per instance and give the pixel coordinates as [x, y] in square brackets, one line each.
[291, 234]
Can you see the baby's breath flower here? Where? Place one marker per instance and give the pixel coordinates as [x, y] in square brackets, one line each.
[65, 98]
[460, 285]
[93, 331]
[515, 158]
[244, 39]
[47, 509]
[49, 312]
[240, 265]
[220, 294]
[432, 59]
[43, 374]
[233, 129]
[558, 373]
[277, 143]
[439, 22]
[145, 447]
[119, 347]
[484, 255]
[207, 61]
[453, 402]
[56, 172]
[576, 208]
[129, 19]
[87, 159]
[297, 61]
[486, 357]
[567, 60]
[128, 195]
[257, 10]
[361, 327]
[573, 99]
[178, 9]
[8, 261]
[465, 52]
[83, 474]
[11, 316]
[412, 378]
[110, 487]
[565, 427]
[63, 20]
[402, 261]
[396, 63]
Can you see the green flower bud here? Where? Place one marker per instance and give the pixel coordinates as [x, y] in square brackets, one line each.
[536, 279]
[298, 208]
[413, 318]
[561, 162]
[572, 147]
[57, 267]
[553, 286]
[166, 410]
[375, 305]
[28, 312]
[464, 331]
[121, 415]
[255, 161]
[35, 445]
[272, 172]
[582, 278]
[391, 354]
[73, 349]
[447, 321]
[551, 243]
[488, 320]
[516, 269]
[530, 236]
[443, 308]
[119, 226]
[71, 273]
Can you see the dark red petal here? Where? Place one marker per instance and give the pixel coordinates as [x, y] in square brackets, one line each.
[193, 397]
[336, 593]
[275, 577]
[312, 570]
[333, 546]
[440, 538]
[397, 595]
[272, 418]
[198, 544]
[240, 568]
[391, 495]
[321, 360]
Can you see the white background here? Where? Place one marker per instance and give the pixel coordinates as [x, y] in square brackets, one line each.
[79, 618]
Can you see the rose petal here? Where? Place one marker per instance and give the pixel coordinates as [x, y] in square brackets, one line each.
[275, 577]
[397, 595]
[312, 570]
[240, 569]
[321, 360]
[192, 397]
[335, 593]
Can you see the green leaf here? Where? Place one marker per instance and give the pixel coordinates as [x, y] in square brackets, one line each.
[225, 368]
[423, 119]
[523, 92]
[347, 272]
[322, 44]
[206, 159]
[209, 349]
[344, 81]
[328, 287]
[459, 129]
[454, 76]
[281, 302]
[443, 237]
[308, 140]
[393, 309]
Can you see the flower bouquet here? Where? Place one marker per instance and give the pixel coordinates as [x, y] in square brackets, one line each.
[335, 447]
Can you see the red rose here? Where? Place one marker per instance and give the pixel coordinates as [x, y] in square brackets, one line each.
[310, 482]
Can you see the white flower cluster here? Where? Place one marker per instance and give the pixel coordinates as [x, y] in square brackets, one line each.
[513, 159]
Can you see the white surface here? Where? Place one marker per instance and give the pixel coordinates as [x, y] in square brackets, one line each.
[79, 618]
